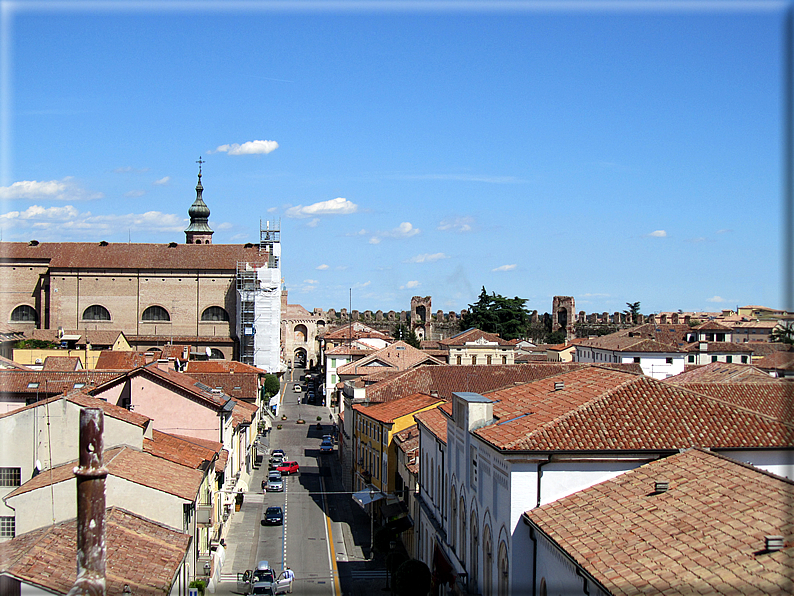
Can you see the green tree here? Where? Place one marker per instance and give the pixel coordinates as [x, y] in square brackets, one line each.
[35, 344]
[495, 313]
[404, 333]
[272, 385]
[633, 311]
[784, 333]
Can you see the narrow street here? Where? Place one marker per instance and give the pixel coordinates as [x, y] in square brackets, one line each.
[325, 536]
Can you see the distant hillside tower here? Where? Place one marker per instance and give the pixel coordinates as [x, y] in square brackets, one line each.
[421, 316]
[199, 231]
[563, 315]
[259, 302]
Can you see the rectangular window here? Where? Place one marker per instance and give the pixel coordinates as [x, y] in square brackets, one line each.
[691, 358]
[504, 359]
[459, 360]
[10, 476]
[488, 360]
[7, 526]
[713, 358]
[744, 359]
[637, 359]
[728, 358]
[669, 360]
[474, 359]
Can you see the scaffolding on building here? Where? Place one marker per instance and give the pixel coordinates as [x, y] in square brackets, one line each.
[259, 302]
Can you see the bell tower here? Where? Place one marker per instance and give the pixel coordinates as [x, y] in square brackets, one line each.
[199, 231]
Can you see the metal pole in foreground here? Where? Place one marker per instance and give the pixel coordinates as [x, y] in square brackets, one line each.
[91, 474]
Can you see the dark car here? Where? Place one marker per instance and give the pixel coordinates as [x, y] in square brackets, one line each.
[274, 516]
[326, 446]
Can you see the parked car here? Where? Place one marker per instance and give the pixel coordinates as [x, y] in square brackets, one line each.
[288, 467]
[277, 452]
[275, 483]
[274, 516]
[296, 388]
[326, 446]
[275, 460]
[328, 438]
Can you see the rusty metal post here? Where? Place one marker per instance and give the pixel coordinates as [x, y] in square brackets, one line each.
[91, 474]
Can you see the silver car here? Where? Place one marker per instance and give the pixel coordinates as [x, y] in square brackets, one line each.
[275, 483]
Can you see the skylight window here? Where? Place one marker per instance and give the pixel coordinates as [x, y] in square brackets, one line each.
[33, 385]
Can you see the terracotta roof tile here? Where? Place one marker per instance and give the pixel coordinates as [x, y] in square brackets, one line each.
[472, 335]
[186, 451]
[705, 535]
[95, 337]
[477, 378]
[62, 363]
[111, 360]
[713, 326]
[774, 398]
[47, 383]
[603, 410]
[434, 421]
[141, 553]
[121, 255]
[390, 411]
[649, 337]
[721, 346]
[136, 466]
[242, 385]
[398, 355]
[777, 361]
[719, 372]
[222, 366]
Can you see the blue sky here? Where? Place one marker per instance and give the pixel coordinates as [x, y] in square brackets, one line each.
[613, 152]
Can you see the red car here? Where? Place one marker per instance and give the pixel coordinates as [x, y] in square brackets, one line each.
[288, 467]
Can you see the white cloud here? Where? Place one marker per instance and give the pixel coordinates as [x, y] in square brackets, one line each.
[313, 223]
[272, 209]
[361, 285]
[593, 295]
[67, 221]
[404, 230]
[427, 258]
[341, 267]
[374, 240]
[337, 206]
[724, 231]
[312, 282]
[135, 193]
[248, 148]
[716, 299]
[322, 267]
[410, 284]
[504, 268]
[162, 181]
[658, 234]
[222, 226]
[128, 169]
[57, 190]
[457, 224]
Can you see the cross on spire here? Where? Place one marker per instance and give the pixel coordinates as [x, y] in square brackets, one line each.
[199, 162]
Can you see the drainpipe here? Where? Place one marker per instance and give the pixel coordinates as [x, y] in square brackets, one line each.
[534, 540]
[540, 474]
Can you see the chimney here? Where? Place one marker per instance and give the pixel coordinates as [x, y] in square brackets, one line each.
[773, 543]
[163, 364]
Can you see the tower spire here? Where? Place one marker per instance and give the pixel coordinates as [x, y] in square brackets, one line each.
[199, 231]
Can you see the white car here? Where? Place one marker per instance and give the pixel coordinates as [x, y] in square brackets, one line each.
[297, 388]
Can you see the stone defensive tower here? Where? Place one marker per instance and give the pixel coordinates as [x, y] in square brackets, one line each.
[563, 316]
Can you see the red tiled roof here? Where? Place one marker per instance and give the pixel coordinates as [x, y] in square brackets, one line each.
[477, 378]
[6, 363]
[398, 355]
[44, 383]
[136, 466]
[242, 385]
[140, 553]
[773, 398]
[713, 326]
[223, 457]
[357, 330]
[705, 535]
[122, 255]
[243, 412]
[222, 366]
[434, 421]
[719, 372]
[190, 340]
[776, 361]
[186, 451]
[721, 346]
[602, 410]
[109, 359]
[62, 363]
[389, 411]
[99, 337]
[348, 350]
[649, 337]
[472, 335]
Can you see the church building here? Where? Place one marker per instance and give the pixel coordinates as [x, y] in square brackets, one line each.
[155, 294]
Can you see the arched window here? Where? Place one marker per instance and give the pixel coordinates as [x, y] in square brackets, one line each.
[503, 579]
[216, 354]
[24, 314]
[453, 521]
[155, 313]
[474, 549]
[214, 313]
[487, 562]
[96, 313]
[462, 553]
[301, 333]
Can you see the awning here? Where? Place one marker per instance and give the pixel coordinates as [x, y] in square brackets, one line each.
[367, 496]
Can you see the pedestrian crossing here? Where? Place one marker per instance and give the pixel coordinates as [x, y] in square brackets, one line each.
[228, 577]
